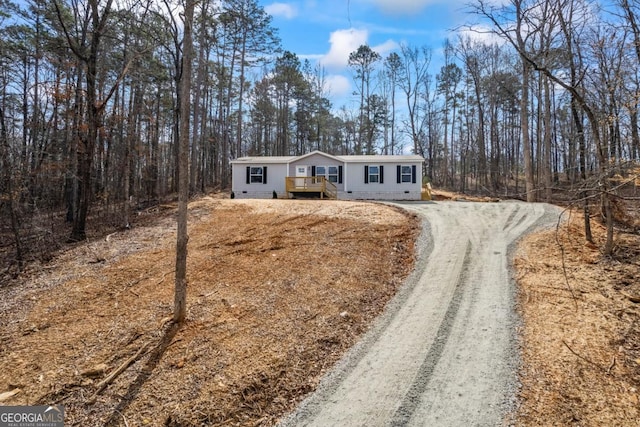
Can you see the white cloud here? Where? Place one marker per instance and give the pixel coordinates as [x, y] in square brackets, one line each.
[343, 42]
[337, 86]
[386, 47]
[402, 7]
[284, 10]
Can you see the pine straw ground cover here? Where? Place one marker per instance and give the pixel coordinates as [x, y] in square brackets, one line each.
[278, 290]
[581, 334]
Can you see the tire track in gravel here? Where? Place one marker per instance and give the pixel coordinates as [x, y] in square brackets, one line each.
[411, 400]
[444, 353]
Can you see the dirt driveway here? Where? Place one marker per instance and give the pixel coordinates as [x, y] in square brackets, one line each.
[445, 352]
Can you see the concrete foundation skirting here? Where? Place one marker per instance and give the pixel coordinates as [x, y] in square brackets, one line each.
[379, 195]
[257, 195]
[342, 195]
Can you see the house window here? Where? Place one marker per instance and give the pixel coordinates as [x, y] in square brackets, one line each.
[332, 176]
[256, 175]
[406, 174]
[331, 173]
[373, 174]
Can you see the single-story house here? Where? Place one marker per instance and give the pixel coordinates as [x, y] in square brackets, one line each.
[369, 177]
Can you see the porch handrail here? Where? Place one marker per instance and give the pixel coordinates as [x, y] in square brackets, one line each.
[330, 189]
[311, 184]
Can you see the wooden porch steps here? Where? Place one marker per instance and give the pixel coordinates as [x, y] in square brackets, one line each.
[311, 187]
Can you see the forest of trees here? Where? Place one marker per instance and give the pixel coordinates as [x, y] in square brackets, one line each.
[90, 96]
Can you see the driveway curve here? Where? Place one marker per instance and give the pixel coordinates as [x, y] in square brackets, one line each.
[445, 352]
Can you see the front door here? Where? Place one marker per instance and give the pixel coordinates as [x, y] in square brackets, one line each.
[301, 172]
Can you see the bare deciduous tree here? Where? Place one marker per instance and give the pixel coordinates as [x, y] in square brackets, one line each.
[180, 301]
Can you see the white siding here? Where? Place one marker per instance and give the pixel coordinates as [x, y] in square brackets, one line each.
[276, 174]
[353, 184]
[317, 159]
[389, 189]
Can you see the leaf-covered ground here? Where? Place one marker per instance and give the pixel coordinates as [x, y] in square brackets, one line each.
[278, 290]
[581, 331]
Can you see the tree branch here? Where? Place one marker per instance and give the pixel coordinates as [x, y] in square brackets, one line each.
[73, 45]
[583, 358]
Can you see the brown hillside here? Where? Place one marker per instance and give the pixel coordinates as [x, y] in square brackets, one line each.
[277, 291]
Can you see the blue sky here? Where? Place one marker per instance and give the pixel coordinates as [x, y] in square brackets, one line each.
[328, 30]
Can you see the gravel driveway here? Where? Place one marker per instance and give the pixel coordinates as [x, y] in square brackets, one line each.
[445, 352]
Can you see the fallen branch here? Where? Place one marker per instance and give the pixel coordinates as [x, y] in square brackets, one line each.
[9, 394]
[115, 374]
[563, 257]
[126, 424]
[582, 357]
[631, 298]
[148, 276]
[164, 275]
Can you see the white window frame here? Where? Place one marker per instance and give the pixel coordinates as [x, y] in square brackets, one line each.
[330, 173]
[256, 175]
[333, 176]
[376, 174]
[406, 177]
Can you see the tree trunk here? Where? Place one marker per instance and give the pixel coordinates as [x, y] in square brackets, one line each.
[524, 104]
[635, 134]
[243, 53]
[196, 146]
[546, 143]
[87, 141]
[180, 300]
[482, 151]
[86, 149]
[73, 136]
[8, 184]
